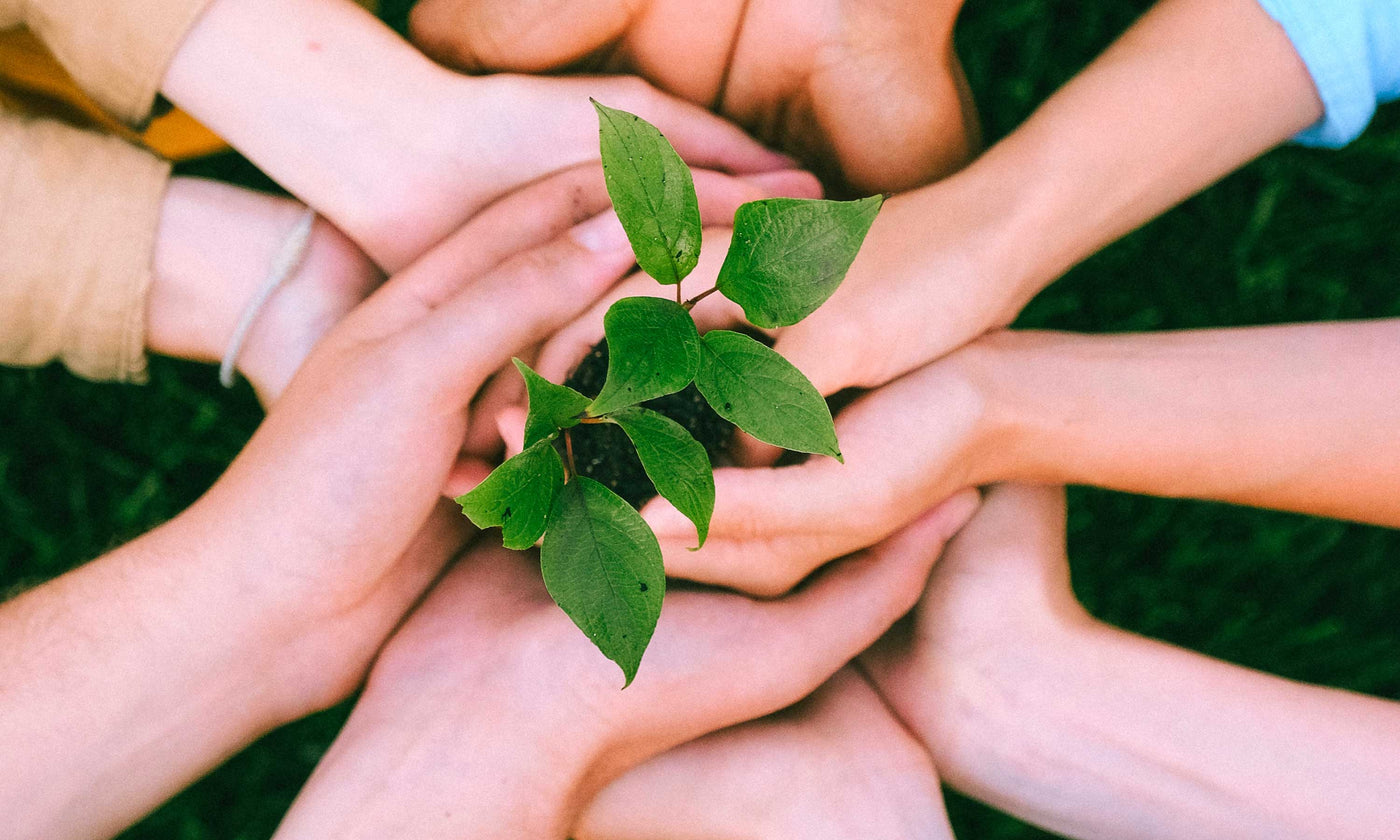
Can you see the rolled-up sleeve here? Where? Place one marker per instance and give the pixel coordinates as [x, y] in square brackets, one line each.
[78, 218]
[1352, 50]
[116, 50]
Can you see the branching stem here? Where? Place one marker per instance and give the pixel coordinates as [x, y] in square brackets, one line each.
[572, 469]
[690, 304]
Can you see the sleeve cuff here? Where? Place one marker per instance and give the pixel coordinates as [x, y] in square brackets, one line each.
[78, 219]
[1332, 41]
[117, 51]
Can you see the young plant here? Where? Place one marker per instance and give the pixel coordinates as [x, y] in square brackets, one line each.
[601, 562]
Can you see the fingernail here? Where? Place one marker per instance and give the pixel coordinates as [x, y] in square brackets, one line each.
[601, 234]
[788, 183]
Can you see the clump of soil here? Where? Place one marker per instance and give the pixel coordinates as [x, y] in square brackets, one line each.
[604, 453]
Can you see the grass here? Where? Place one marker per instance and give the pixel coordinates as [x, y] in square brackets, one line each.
[1299, 235]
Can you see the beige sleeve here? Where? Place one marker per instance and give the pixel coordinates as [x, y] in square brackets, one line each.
[78, 219]
[116, 50]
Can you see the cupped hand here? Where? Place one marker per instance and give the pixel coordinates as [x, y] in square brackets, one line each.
[837, 765]
[997, 610]
[490, 136]
[907, 446]
[869, 91]
[349, 466]
[489, 714]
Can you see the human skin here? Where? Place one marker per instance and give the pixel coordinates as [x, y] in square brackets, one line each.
[1192, 91]
[214, 247]
[1295, 417]
[868, 92]
[216, 243]
[489, 715]
[395, 150]
[128, 678]
[835, 766]
[1029, 704]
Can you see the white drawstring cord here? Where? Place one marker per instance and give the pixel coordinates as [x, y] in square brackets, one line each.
[284, 265]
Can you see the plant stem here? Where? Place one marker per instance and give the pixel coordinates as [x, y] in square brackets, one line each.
[679, 300]
[690, 304]
[572, 469]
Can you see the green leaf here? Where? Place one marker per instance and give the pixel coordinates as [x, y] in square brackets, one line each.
[653, 194]
[789, 254]
[552, 407]
[759, 391]
[602, 566]
[675, 462]
[517, 496]
[653, 350]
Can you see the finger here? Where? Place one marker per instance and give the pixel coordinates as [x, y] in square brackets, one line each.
[847, 607]
[532, 37]
[510, 423]
[824, 356]
[504, 389]
[700, 137]
[1022, 524]
[525, 219]
[465, 475]
[749, 451]
[460, 343]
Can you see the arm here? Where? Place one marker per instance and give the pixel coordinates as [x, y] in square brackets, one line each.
[129, 678]
[394, 149]
[1193, 90]
[214, 246]
[490, 715]
[1092, 732]
[1297, 418]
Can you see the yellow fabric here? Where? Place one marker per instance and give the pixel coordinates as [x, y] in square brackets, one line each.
[78, 218]
[80, 209]
[32, 82]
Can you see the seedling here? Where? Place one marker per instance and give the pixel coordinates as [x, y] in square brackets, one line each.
[600, 560]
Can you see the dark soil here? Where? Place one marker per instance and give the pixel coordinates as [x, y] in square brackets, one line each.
[604, 453]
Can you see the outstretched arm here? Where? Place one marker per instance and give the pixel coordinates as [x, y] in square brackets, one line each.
[1192, 91]
[1297, 418]
[394, 149]
[1032, 706]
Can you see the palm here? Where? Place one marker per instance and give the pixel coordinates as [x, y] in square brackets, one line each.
[869, 90]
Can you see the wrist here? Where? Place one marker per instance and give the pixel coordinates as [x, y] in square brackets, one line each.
[487, 761]
[992, 727]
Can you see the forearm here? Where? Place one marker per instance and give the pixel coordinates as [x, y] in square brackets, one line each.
[214, 247]
[1298, 418]
[127, 679]
[1110, 735]
[333, 105]
[1194, 90]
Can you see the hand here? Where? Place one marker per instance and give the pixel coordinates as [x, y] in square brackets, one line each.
[868, 91]
[489, 714]
[719, 196]
[353, 459]
[404, 151]
[836, 765]
[995, 608]
[907, 446]
[214, 247]
[1028, 703]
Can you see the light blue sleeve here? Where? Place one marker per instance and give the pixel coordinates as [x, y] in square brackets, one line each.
[1352, 50]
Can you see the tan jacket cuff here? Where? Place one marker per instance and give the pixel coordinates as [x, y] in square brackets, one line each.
[116, 50]
[78, 219]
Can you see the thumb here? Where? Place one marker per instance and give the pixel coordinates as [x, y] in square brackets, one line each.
[817, 348]
[1016, 519]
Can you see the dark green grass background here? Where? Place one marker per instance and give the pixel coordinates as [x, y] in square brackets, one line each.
[1299, 235]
